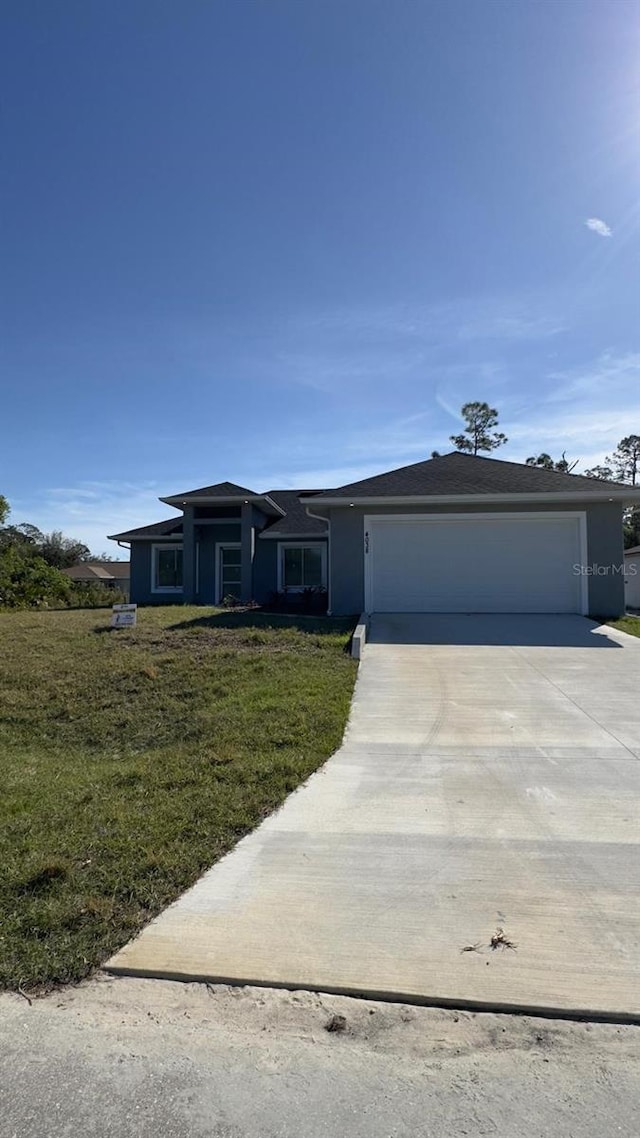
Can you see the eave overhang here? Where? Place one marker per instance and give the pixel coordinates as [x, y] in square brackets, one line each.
[625, 497]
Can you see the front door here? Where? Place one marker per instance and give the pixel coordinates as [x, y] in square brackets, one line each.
[229, 572]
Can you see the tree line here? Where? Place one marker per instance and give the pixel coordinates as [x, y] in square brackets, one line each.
[31, 564]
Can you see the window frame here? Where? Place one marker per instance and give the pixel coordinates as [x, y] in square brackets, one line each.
[220, 545]
[316, 546]
[155, 588]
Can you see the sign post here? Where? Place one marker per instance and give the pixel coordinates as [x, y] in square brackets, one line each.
[124, 616]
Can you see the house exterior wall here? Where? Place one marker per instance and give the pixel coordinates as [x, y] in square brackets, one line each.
[265, 565]
[605, 578]
[604, 549]
[265, 570]
[207, 537]
[605, 545]
[632, 580]
[140, 588]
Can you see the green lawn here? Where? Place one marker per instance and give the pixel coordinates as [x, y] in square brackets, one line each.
[131, 760]
[630, 624]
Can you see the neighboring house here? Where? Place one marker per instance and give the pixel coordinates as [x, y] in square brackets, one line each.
[113, 574]
[632, 577]
[457, 533]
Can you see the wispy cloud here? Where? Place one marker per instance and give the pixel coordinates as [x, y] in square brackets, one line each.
[344, 349]
[362, 451]
[499, 318]
[586, 411]
[614, 375]
[583, 410]
[330, 367]
[510, 327]
[597, 225]
[90, 510]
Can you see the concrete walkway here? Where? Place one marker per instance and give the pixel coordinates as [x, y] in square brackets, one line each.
[489, 780]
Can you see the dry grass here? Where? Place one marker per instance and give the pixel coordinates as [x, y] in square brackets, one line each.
[131, 760]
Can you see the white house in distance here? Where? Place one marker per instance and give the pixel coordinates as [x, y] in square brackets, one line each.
[632, 577]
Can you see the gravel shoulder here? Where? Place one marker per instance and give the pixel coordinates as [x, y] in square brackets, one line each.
[122, 1057]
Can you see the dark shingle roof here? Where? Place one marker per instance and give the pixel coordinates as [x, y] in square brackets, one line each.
[450, 475]
[458, 473]
[167, 528]
[296, 521]
[218, 490]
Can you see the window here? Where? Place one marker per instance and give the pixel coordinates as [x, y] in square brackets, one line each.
[229, 571]
[166, 569]
[302, 567]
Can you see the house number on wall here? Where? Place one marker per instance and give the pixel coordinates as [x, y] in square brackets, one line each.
[366, 541]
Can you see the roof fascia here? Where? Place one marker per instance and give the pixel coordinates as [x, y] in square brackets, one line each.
[143, 536]
[227, 500]
[291, 535]
[623, 496]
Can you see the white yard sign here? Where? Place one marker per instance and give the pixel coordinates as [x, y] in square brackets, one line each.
[124, 616]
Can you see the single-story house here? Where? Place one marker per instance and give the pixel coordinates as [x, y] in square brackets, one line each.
[632, 577]
[457, 533]
[113, 574]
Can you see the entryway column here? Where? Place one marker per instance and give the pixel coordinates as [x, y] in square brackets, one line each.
[188, 557]
[246, 549]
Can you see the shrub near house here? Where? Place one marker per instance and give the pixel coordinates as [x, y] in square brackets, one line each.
[27, 581]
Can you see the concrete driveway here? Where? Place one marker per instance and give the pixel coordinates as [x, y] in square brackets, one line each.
[487, 790]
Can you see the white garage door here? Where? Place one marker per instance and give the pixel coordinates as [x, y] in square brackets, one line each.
[474, 563]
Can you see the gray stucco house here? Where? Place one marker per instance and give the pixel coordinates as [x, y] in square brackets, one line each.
[458, 533]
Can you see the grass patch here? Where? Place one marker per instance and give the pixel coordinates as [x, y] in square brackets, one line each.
[133, 759]
[630, 624]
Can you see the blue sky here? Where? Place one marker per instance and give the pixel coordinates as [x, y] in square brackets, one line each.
[281, 242]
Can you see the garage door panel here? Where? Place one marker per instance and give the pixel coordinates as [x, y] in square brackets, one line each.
[474, 565]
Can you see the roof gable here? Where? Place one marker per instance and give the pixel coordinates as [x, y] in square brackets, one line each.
[223, 492]
[218, 490]
[296, 521]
